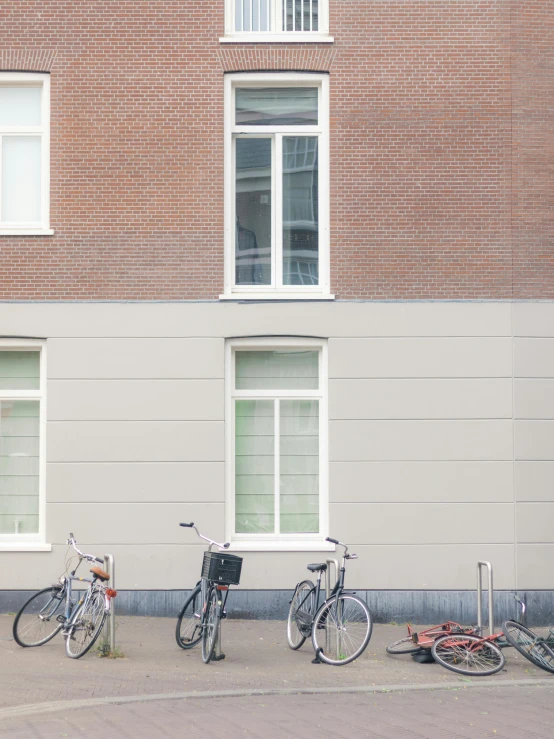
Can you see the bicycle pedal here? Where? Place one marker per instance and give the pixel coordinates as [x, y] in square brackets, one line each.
[60, 618]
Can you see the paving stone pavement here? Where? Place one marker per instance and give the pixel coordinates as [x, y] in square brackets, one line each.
[257, 658]
[499, 713]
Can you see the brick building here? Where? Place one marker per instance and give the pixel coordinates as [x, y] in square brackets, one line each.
[283, 268]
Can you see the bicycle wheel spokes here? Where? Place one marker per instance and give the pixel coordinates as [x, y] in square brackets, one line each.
[301, 613]
[86, 626]
[211, 623]
[468, 655]
[341, 630]
[529, 645]
[189, 628]
[37, 620]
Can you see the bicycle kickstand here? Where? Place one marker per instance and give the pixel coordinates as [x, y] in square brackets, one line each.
[316, 660]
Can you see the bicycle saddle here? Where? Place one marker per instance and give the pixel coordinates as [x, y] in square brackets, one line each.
[100, 573]
[317, 568]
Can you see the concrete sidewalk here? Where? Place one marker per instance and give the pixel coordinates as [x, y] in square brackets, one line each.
[257, 658]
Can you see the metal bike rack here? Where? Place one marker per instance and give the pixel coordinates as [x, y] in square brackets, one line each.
[330, 562]
[110, 569]
[488, 565]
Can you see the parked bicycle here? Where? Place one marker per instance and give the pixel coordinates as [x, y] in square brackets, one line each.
[56, 609]
[203, 610]
[340, 628]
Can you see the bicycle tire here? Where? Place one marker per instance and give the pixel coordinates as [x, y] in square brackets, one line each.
[21, 628]
[84, 628]
[467, 654]
[339, 638]
[210, 625]
[188, 632]
[529, 645]
[404, 646]
[304, 596]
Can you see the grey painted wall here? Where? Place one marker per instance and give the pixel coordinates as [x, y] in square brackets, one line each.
[441, 429]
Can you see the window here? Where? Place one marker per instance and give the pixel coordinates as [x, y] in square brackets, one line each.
[277, 186]
[22, 459]
[24, 153]
[277, 20]
[277, 442]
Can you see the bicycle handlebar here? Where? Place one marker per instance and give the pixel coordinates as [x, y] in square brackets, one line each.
[91, 558]
[211, 541]
[336, 541]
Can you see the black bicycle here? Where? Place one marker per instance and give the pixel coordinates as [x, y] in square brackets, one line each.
[200, 617]
[340, 628]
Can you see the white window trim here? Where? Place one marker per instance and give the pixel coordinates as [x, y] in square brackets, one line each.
[41, 228]
[277, 79]
[274, 36]
[270, 542]
[30, 542]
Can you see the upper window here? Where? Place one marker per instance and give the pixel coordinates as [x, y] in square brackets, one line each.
[24, 153]
[22, 380]
[276, 20]
[277, 178]
[277, 443]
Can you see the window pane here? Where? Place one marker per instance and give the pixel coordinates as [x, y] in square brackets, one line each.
[285, 369]
[19, 370]
[21, 173]
[253, 211]
[254, 466]
[301, 15]
[20, 106]
[299, 479]
[300, 210]
[276, 106]
[19, 466]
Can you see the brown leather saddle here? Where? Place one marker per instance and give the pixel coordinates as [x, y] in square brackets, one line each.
[100, 573]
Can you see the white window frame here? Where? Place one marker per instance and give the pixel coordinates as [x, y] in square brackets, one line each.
[277, 36]
[30, 542]
[25, 79]
[272, 542]
[277, 290]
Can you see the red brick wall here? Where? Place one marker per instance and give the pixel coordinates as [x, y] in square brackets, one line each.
[424, 193]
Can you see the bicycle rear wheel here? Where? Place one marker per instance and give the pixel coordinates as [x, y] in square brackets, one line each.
[301, 613]
[467, 654]
[85, 627]
[37, 619]
[341, 629]
[211, 625]
[189, 624]
[529, 645]
[404, 646]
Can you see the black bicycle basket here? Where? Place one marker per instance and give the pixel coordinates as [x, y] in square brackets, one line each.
[222, 568]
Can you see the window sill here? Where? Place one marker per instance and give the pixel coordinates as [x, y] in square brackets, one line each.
[26, 232]
[298, 37]
[281, 546]
[276, 296]
[24, 547]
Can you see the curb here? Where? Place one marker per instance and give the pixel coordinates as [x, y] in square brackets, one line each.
[34, 709]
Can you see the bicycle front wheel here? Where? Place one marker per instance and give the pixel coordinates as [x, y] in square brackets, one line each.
[529, 645]
[189, 624]
[468, 655]
[211, 625]
[301, 613]
[85, 627]
[37, 619]
[341, 629]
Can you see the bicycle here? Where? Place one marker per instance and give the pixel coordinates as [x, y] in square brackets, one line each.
[473, 654]
[203, 610]
[340, 628]
[53, 609]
